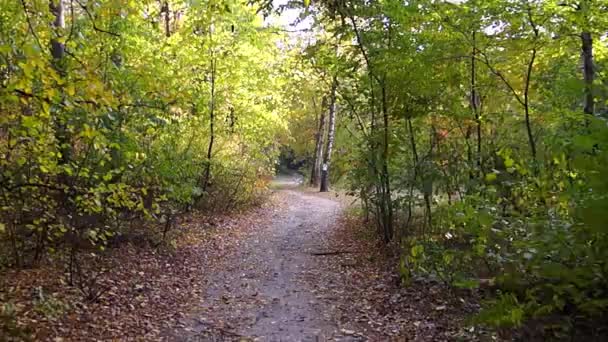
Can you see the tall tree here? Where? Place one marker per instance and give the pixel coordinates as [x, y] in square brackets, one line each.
[331, 133]
[583, 19]
[588, 72]
[315, 173]
[167, 17]
[475, 103]
[57, 9]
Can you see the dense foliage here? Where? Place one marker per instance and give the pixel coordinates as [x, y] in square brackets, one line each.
[120, 112]
[474, 133]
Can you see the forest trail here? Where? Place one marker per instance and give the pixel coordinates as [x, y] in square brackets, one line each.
[138, 138]
[267, 291]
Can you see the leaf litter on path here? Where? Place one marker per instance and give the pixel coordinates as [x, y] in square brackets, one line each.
[295, 269]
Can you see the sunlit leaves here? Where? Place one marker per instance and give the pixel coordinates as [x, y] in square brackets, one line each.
[120, 123]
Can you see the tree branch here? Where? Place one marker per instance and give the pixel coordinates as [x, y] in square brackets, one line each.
[29, 24]
[86, 9]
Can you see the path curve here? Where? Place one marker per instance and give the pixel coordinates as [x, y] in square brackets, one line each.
[265, 292]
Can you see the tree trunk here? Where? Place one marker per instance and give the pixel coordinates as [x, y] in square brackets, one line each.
[387, 203]
[526, 103]
[211, 125]
[427, 183]
[57, 8]
[330, 137]
[415, 169]
[475, 103]
[318, 157]
[167, 11]
[531, 140]
[588, 73]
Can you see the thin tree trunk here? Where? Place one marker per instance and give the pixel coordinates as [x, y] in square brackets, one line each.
[527, 88]
[588, 72]
[475, 101]
[388, 201]
[415, 175]
[467, 138]
[525, 102]
[57, 8]
[427, 183]
[167, 12]
[384, 207]
[319, 137]
[330, 137]
[527, 106]
[211, 125]
[386, 184]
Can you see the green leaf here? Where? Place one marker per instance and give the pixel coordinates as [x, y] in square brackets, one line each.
[490, 177]
[29, 122]
[466, 283]
[417, 250]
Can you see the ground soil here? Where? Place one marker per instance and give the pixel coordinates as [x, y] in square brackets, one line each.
[302, 267]
[310, 275]
[266, 292]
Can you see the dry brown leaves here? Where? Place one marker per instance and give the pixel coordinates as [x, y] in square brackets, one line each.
[149, 294]
[364, 290]
[144, 291]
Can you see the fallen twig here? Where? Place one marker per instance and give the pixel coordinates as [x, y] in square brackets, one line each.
[331, 253]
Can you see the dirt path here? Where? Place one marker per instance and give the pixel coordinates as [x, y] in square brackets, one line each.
[264, 292]
[285, 282]
[266, 274]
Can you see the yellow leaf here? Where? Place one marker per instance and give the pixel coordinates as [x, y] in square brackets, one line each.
[46, 108]
[71, 90]
[27, 68]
